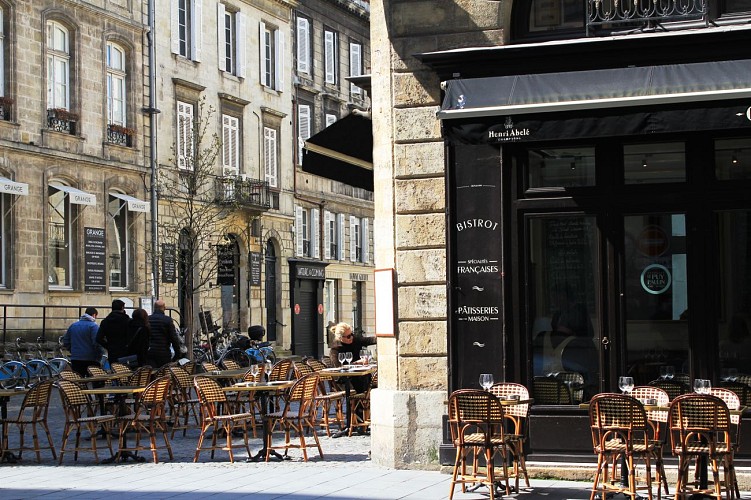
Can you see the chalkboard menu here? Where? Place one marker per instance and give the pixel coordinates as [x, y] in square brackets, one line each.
[169, 263]
[95, 260]
[225, 270]
[569, 244]
[255, 268]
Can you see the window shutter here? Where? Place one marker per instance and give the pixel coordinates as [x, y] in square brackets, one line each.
[365, 241]
[196, 27]
[330, 56]
[230, 127]
[303, 128]
[221, 40]
[352, 239]
[298, 231]
[327, 234]
[279, 60]
[340, 238]
[315, 239]
[262, 51]
[240, 22]
[355, 64]
[303, 45]
[174, 27]
[184, 135]
[330, 119]
[269, 156]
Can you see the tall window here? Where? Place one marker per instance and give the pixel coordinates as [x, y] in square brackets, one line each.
[2, 52]
[115, 84]
[5, 248]
[306, 232]
[184, 135]
[303, 129]
[355, 65]
[359, 241]
[272, 57]
[186, 28]
[231, 41]
[230, 145]
[330, 301]
[59, 237]
[270, 163]
[58, 66]
[330, 56]
[333, 236]
[303, 46]
[118, 241]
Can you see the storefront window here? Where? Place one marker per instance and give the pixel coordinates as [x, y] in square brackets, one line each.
[330, 301]
[654, 163]
[357, 296]
[732, 159]
[562, 263]
[561, 167]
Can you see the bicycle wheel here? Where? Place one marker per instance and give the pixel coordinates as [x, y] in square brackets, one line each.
[57, 365]
[268, 354]
[237, 355]
[38, 370]
[199, 355]
[13, 374]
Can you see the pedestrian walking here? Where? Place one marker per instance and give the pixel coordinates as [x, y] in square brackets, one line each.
[80, 340]
[113, 332]
[163, 335]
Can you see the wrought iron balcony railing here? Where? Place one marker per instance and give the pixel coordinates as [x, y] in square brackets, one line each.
[117, 134]
[248, 193]
[642, 13]
[62, 120]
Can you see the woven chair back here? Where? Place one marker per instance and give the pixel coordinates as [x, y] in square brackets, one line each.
[644, 392]
[208, 366]
[610, 411]
[248, 377]
[315, 364]
[304, 392]
[96, 371]
[180, 377]
[731, 399]
[209, 390]
[140, 377]
[472, 410]
[71, 393]
[698, 421]
[551, 391]
[70, 375]
[189, 367]
[281, 370]
[742, 390]
[156, 392]
[120, 368]
[38, 397]
[302, 369]
[230, 364]
[673, 388]
[504, 390]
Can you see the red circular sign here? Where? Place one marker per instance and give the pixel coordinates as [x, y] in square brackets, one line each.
[653, 241]
[297, 308]
[320, 308]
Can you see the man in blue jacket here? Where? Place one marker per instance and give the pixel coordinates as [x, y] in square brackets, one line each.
[80, 340]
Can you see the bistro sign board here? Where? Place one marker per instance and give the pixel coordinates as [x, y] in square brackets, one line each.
[95, 259]
[255, 268]
[225, 265]
[169, 263]
[310, 272]
[508, 132]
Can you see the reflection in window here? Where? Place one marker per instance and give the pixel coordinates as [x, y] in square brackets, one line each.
[732, 159]
[59, 238]
[562, 260]
[115, 84]
[561, 167]
[540, 17]
[654, 163]
[737, 6]
[117, 242]
[330, 301]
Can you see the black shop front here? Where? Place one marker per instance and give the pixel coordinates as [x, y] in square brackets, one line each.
[306, 283]
[600, 218]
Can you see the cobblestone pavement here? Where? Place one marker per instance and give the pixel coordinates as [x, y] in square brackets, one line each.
[346, 473]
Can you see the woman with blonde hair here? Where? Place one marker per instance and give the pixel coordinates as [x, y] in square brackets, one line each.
[345, 341]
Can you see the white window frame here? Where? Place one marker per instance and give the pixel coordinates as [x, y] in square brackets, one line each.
[116, 88]
[330, 53]
[58, 66]
[331, 235]
[184, 128]
[272, 57]
[303, 128]
[302, 231]
[113, 235]
[330, 296]
[230, 145]
[270, 156]
[188, 43]
[359, 239]
[230, 36]
[340, 228]
[68, 218]
[315, 227]
[355, 65]
[304, 63]
[2, 57]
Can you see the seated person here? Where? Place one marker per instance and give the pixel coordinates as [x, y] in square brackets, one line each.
[345, 341]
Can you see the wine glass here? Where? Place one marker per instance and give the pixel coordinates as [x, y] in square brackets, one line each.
[341, 357]
[254, 372]
[486, 380]
[663, 372]
[669, 372]
[706, 386]
[348, 358]
[269, 367]
[626, 384]
[699, 386]
[364, 356]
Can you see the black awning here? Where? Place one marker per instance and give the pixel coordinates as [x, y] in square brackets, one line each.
[597, 89]
[343, 151]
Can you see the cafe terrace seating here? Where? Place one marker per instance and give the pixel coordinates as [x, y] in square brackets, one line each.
[658, 419]
[476, 424]
[673, 388]
[33, 413]
[620, 431]
[359, 410]
[733, 402]
[148, 418]
[80, 415]
[298, 416]
[215, 415]
[700, 426]
[231, 364]
[518, 416]
[551, 391]
[183, 403]
[330, 397]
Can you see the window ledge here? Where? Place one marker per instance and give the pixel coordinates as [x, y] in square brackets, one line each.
[231, 76]
[125, 154]
[62, 141]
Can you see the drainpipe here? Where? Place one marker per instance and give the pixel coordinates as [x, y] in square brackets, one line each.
[152, 111]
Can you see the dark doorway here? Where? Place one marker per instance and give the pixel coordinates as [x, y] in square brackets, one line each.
[306, 331]
[185, 276]
[271, 320]
[229, 281]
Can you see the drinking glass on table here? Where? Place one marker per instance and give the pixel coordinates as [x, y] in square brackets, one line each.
[486, 380]
[702, 386]
[669, 372]
[626, 384]
[348, 358]
[364, 354]
[269, 367]
[341, 357]
[254, 370]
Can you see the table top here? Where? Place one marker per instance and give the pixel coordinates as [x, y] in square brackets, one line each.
[101, 378]
[259, 386]
[354, 371]
[115, 389]
[222, 373]
[738, 411]
[6, 393]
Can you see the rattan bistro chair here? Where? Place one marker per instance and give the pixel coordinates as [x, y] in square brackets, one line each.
[33, 413]
[183, 403]
[298, 416]
[700, 425]
[658, 420]
[148, 418]
[214, 404]
[733, 402]
[620, 430]
[80, 415]
[673, 388]
[517, 415]
[551, 391]
[476, 423]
